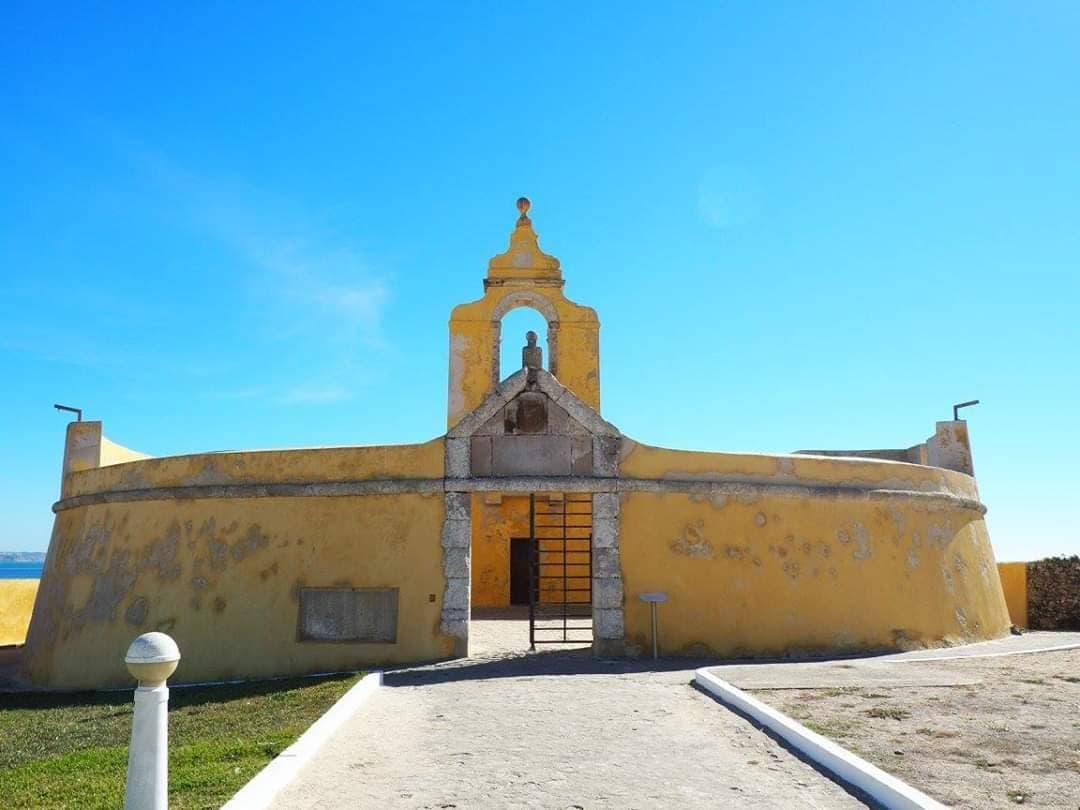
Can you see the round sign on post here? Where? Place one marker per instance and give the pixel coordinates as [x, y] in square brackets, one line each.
[150, 659]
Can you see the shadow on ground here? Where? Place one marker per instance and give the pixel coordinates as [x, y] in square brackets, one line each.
[581, 661]
[180, 695]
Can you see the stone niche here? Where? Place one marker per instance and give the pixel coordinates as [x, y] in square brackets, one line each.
[531, 435]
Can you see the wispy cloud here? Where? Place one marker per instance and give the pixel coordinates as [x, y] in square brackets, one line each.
[330, 289]
[312, 287]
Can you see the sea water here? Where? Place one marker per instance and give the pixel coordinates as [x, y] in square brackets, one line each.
[21, 570]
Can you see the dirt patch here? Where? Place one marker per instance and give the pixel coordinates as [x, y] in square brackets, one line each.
[1013, 739]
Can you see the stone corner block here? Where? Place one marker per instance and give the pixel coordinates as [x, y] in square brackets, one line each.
[607, 592]
[457, 534]
[456, 596]
[457, 458]
[606, 456]
[605, 563]
[608, 624]
[455, 623]
[605, 532]
[455, 562]
[458, 505]
[605, 505]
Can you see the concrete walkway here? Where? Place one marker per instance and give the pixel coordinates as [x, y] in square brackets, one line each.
[555, 729]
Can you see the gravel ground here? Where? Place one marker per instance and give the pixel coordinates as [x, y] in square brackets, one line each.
[556, 729]
[1012, 739]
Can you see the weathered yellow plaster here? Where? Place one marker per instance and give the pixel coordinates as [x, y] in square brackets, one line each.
[492, 527]
[16, 604]
[643, 461]
[221, 576]
[776, 575]
[312, 465]
[1014, 584]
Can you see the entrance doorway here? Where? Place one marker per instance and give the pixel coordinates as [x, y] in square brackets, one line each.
[531, 571]
[519, 570]
[560, 567]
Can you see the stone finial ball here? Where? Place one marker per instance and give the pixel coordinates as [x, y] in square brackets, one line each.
[523, 205]
[530, 338]
[152, 658]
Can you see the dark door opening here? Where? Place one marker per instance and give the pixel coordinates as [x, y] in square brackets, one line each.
[519, 570]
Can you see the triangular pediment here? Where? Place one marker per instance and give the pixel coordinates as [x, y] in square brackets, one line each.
[524, 386]
[531, 425]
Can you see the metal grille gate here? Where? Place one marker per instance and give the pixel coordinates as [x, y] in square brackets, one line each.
[560, 569]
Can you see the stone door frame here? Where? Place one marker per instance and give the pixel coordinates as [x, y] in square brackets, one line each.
[460, 485]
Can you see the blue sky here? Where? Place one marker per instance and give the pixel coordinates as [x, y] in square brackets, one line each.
[803, 225]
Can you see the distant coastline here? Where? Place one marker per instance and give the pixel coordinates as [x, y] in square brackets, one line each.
[22, 556]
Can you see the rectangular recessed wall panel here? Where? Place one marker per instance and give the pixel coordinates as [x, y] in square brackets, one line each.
[531, 455]
[349, 614]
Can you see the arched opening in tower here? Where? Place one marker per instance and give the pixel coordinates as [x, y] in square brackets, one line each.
[515, 324]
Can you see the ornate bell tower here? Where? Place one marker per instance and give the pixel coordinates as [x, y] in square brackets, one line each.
[523, 276]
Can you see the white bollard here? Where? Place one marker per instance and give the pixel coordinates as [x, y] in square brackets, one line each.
[150, 659]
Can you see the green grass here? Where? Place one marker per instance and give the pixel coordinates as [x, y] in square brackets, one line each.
[70, 750]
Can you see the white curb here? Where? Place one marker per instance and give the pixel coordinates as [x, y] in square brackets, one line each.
[883, 787]
[267, 783]
[931, 658]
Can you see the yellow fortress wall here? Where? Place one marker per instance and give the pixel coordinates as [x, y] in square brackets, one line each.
[1014, 583]
[136, 549]
[16, 604]
[796, 554]
[310, 465]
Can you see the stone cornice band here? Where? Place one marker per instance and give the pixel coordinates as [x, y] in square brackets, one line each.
[735, 488]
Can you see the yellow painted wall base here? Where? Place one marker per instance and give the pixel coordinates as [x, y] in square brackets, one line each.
[1014, 584]
[769, 575]
[16, 605]
[222, 576]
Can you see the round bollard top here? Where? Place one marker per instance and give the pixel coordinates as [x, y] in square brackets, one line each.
[152, 658]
